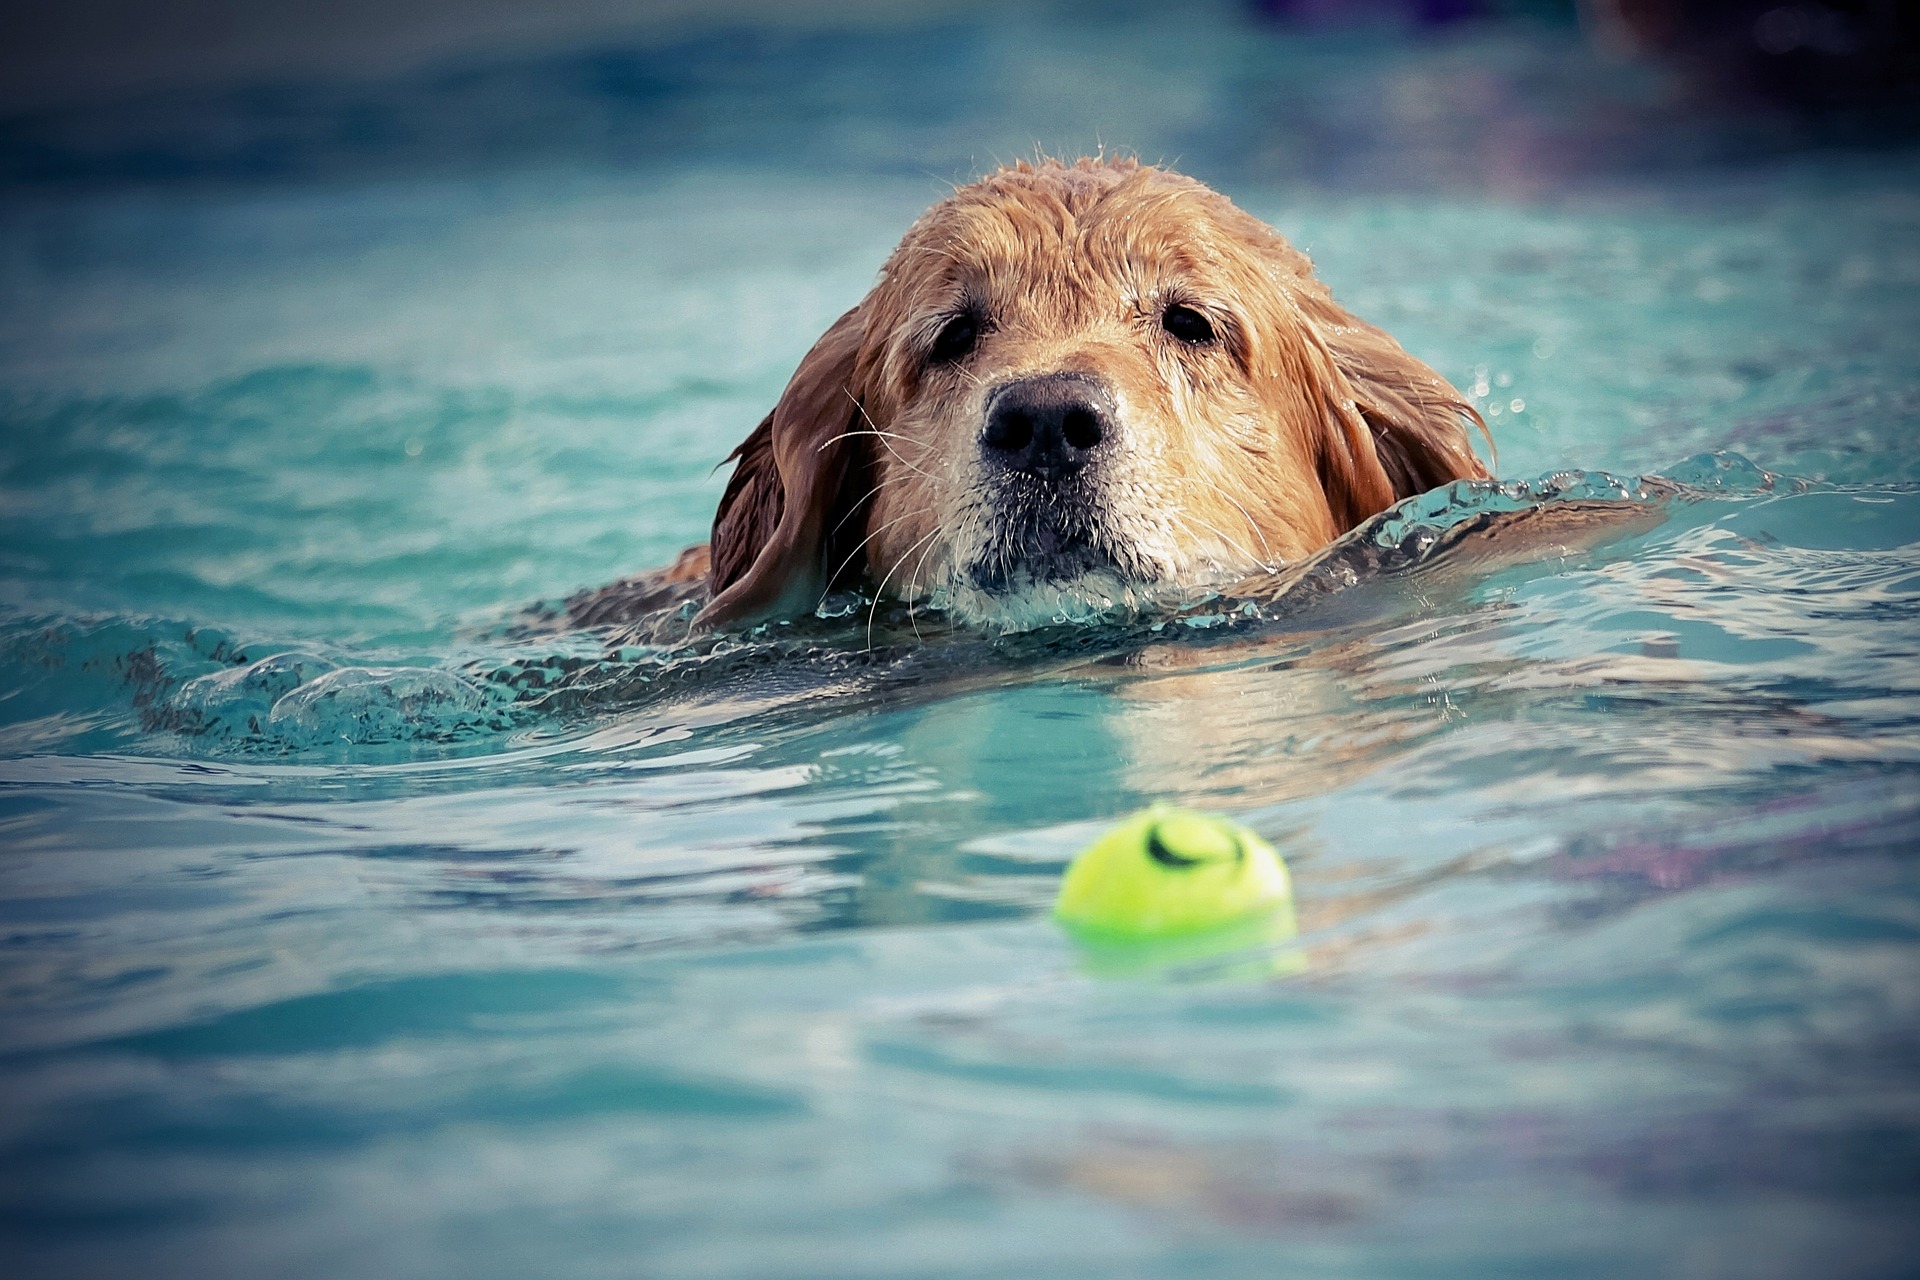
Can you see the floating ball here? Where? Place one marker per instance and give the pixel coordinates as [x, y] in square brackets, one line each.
[1167, 872]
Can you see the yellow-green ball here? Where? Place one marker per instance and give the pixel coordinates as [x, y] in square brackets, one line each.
[1167, 872]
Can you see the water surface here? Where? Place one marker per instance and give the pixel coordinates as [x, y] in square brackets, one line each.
[738, 963]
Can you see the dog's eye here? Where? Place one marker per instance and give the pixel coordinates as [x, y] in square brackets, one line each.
[957, 338]
[1186, 324]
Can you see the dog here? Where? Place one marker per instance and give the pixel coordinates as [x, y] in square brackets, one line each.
[1075, 386]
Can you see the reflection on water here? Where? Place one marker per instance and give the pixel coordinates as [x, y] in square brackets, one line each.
[352, 923]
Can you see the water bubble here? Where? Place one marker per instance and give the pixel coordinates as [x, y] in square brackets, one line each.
[239, 700]
[1723, 472]
[381, 704]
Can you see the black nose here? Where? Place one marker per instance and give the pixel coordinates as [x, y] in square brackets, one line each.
[1049, 426]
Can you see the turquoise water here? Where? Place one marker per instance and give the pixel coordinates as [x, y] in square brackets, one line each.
[327, 952]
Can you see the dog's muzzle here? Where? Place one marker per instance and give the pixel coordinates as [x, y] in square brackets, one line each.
[1041, 447]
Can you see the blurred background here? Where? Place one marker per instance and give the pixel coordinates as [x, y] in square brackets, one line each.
[1516, 93]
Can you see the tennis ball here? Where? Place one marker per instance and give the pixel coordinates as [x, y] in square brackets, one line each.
[1167, 872]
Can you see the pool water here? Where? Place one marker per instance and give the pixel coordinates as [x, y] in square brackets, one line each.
[335, 943]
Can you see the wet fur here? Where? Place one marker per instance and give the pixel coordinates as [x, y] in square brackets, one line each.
[1230, 458]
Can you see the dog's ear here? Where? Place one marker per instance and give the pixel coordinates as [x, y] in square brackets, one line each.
[1388, 426]
[1417, 421]
[1394, 427]
[1353, 477]
[775, 521]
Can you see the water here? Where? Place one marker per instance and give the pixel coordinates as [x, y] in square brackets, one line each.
[326, 952]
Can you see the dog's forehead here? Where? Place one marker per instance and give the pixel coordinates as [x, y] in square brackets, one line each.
[1028, 234]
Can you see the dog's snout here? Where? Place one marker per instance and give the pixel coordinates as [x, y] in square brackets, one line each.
[1048, 427]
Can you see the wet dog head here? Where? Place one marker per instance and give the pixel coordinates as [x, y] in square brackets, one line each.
[1076, 385]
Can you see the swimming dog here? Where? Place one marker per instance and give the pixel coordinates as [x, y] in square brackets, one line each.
[1074, 384]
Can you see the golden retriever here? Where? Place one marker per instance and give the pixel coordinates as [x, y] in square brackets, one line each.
[1075, 386]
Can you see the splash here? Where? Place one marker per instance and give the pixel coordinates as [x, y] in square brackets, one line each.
[203, 685]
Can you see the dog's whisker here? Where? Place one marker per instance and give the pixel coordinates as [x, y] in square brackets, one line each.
[1266, 561]
[886, 439]
[883, 438]
[873, 429]
[1187, 516]
[880, 592]
[867, 431]
[1233, 544]
[913, 589]
[841, 568]
[854, 508]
